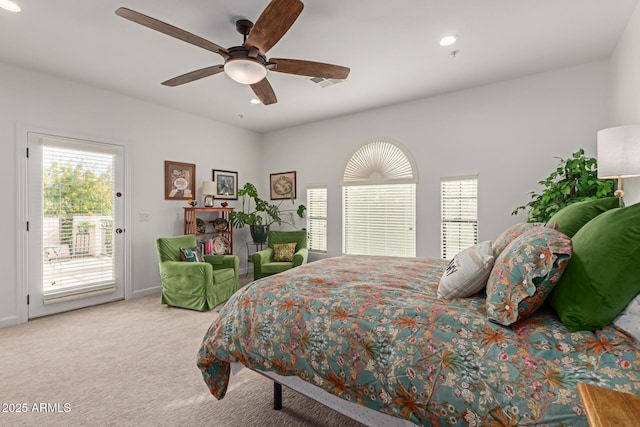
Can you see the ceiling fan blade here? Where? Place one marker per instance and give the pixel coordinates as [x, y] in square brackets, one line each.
[310, 68]
[264, 92]
[273, 23]
[194, 75]
[169, 30]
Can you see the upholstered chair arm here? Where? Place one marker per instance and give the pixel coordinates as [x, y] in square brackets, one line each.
[196, 273]
[223, 261]
[300, 257]
[262, 257]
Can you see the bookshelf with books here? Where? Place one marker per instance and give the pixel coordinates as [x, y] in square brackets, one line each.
[211, 228]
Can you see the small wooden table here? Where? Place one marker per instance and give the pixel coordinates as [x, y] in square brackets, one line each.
[605, 407]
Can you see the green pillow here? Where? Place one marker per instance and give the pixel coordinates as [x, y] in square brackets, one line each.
[571, 218]
[604, 272]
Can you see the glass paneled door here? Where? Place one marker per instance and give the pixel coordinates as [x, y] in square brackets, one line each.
[75, 211]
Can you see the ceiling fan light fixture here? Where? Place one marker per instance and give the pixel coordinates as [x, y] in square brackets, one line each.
[448, 40]
[246, 63]
[9, 5]
[245, 70]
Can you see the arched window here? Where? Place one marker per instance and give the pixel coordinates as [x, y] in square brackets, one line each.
[379, 200]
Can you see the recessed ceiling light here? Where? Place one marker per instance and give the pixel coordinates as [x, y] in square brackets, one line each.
[255, 101]
[448, 40]
[9, 5]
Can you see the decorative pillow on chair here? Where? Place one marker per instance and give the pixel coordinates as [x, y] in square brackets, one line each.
[467, 272]
[510, 234]
[284, 252]
[191, 254]
[604, 273]
[525, 273]
[571, 218]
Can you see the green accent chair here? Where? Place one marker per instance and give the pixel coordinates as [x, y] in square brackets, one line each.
[195, 285]
[263, 264]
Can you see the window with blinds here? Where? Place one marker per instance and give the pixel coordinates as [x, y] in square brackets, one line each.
[317, 218]
[379, 201]
[380, 220]
[459, 209]
[77, 196]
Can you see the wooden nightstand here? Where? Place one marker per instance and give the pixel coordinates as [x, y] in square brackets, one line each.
[605, 407]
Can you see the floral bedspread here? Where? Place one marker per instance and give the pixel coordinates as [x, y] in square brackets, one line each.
[371, 330]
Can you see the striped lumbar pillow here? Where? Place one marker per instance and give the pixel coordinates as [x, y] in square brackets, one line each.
[467, 273]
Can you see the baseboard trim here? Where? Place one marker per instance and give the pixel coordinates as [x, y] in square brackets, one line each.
[146, 292]
[9, 321]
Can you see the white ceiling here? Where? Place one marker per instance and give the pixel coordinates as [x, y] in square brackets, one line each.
[391, 47]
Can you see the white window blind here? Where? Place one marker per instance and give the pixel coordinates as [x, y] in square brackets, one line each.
[317, 218]
[380, 220]
[379, 201]
[459, 208]
[77, 218]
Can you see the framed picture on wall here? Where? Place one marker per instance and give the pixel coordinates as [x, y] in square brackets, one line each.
[226, 184]
[179, 180]
[283, 185]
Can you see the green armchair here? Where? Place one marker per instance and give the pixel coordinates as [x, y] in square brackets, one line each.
[195, 285]
[263, 263]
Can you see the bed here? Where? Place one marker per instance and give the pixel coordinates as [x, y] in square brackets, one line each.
[373, 332]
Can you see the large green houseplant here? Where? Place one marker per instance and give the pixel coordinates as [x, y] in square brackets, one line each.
[575, 179]
[259, 214]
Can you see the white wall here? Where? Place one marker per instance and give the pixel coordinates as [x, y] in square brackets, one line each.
[150, 134]
[625, 90]
[507, 133]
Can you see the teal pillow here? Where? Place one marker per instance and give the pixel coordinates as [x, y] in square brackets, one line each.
[604, 273]
[571, 218]
[510, 234]
[524, 274]
[191, 254]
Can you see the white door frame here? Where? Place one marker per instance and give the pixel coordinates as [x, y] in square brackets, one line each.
[22, 276]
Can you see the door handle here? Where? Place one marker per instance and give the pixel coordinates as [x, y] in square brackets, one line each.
[119, 231]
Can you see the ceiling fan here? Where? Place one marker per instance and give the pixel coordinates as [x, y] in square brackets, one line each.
[247, 64]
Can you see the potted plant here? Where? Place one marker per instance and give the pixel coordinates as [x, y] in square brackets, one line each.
[259, 214]
[575, 179]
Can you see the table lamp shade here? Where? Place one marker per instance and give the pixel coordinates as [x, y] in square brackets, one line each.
[619, 152]
[208, 188]
[208, 191]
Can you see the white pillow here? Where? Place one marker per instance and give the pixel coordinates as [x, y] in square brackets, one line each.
[467, 273]
[629, 319]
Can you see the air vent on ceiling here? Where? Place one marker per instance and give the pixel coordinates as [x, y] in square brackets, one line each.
[325, 82]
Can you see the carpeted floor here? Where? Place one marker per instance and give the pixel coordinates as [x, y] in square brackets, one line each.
[131, 363]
